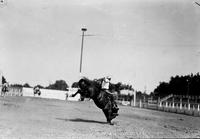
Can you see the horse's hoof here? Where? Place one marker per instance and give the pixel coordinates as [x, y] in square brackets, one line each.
[111, 123]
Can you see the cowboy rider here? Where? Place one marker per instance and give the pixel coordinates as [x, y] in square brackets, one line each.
[105, 87]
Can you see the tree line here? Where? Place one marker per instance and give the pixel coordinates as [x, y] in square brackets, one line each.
[188, 85]
[58, 85]
[178, 85]
[62, 85]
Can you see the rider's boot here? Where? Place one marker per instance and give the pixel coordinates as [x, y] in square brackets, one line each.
[115, 109]
[115, 106]
[108, 105]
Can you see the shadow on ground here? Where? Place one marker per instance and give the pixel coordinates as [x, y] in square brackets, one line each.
[81, 120]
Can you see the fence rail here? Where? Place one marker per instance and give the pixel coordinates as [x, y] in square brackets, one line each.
[192, 109]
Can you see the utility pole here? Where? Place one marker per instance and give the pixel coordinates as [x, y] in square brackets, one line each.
[81, 58]
[3, 3]
[197, 3]
[82, 41]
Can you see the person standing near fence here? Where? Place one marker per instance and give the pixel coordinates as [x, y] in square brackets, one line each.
[4, 88]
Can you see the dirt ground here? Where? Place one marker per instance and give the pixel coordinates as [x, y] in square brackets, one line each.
[29, 118]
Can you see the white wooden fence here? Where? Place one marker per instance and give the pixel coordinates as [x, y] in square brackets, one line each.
[187, 107]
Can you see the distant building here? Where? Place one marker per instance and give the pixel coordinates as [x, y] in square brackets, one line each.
[127, 97]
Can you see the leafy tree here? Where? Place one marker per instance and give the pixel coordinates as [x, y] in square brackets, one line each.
[120, 86]
[40, 86]
[138, 95]
[58, 85]
[179, 85]
[16, 85]
[27, 85]
[162, 90]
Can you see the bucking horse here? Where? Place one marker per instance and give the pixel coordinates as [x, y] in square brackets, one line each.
[92, 89]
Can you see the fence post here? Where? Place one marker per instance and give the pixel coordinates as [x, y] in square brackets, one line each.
[166, 104]
[193, 107]
[188, 106]
[134, 103]
[160, 104]
[140, 103]
[173, 102]
[185, 106]
[181, 103]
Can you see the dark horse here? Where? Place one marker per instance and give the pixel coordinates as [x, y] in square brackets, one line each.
[92, 89]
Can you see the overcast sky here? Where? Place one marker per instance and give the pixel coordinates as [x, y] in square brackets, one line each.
[138, 42]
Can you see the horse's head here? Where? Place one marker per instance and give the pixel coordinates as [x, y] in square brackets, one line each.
[88, 88]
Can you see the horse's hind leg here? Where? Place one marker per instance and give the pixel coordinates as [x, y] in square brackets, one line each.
[107, 115]
[110, 116]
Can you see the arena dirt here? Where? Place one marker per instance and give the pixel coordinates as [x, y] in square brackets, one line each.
[31, 118]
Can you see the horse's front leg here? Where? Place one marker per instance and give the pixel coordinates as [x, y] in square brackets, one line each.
[73, 95]
[78, 92]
